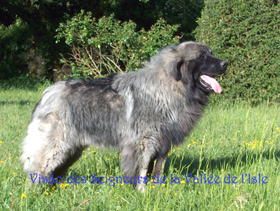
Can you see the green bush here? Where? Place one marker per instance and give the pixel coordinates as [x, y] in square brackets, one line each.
[107, 45]
[15, 41]
[247, 35]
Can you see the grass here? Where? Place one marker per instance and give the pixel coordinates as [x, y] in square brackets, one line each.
[231, 140]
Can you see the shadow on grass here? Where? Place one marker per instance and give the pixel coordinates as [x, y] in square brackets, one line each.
[23, 83]
[20, 103]
[195, 166]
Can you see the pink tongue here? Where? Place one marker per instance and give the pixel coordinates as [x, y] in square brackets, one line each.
[214, 84]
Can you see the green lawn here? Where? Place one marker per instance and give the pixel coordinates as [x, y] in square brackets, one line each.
[231, 140]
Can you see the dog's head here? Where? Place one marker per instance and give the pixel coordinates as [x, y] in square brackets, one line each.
[197, 66]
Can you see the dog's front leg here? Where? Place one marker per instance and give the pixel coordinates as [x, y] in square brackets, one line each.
[145, 160]
[146, 157]
[159, 167]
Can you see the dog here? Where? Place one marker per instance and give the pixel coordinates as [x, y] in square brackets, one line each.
[140, 113]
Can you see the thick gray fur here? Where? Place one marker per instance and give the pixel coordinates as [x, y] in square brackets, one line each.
[139, 113]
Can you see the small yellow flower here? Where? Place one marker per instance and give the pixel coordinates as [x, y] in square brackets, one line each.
[2, 161]
[198, 192]
[163, 185]
[63, 185]
[1, 142]
[22, 196]
[10, 158]
[108, 159]
[175, 194]
[148, 199]
[153, 187]
[234, 139]
[93, 152]
[117, 197]
[122, 184]
[182, 181]
[85, 156]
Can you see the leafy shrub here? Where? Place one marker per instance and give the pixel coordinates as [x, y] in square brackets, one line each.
[247, 35]
[107, 45]
[15, 42]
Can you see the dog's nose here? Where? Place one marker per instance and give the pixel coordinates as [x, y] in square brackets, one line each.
[224, 64]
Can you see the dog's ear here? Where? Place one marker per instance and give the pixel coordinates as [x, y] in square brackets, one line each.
[176, 70]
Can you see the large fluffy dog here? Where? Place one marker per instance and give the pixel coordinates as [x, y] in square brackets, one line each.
[141, 113]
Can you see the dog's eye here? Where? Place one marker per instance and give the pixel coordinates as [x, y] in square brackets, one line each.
[202, 56]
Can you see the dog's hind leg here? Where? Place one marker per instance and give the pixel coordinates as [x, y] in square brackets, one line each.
[61, 170]
[59, 158]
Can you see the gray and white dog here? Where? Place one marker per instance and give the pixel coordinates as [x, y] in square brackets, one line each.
[140, 113]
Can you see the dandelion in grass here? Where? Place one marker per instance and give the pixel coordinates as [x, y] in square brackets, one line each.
[152, 187]
[163, 185]
[1, 142]
[175, 194]
[182, 182]
[2, 161]
[85, 156]
[10, 158]
[63, 185]
[22, 195]
[93, 152]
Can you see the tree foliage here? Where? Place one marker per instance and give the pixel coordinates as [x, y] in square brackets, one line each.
[248, 37]
[106, 45]
[43, 18]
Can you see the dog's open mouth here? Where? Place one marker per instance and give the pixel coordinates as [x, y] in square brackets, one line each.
[210, 83]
